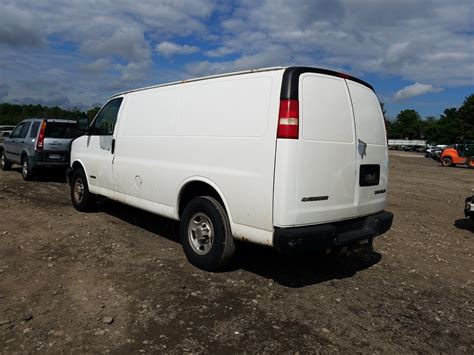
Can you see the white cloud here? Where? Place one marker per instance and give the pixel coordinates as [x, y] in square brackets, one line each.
[3, 91]
[97, 66]
[405, 38]
[169, 49]
[98, 47]
[19, 27]
[219, 52]
[415, 89]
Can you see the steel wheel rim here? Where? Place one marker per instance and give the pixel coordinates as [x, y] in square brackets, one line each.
[201, 233]
[78, 190]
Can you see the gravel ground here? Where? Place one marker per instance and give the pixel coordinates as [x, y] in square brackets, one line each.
[117, 281]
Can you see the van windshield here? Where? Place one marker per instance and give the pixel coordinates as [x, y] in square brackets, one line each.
[61, 130]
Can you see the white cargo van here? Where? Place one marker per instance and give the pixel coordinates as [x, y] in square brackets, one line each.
[293, 158]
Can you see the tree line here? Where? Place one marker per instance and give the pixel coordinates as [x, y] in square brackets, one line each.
[12, 114]
[453, 126]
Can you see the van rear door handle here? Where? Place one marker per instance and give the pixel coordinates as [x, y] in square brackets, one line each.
[112, 150]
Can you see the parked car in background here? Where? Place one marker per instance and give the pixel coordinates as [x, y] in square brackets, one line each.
[39, 143]
[268, 156]
[438, 150]
[5, 132]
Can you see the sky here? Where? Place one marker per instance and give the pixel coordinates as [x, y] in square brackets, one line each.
[416, 54]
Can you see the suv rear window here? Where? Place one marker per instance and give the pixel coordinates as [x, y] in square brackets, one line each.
[61, 130]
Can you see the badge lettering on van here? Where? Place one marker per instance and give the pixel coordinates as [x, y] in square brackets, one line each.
[362, 148]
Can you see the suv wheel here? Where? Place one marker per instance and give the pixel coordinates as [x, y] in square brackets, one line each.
[205, 234]
[5, 165]
[26, 170]
[81, 198]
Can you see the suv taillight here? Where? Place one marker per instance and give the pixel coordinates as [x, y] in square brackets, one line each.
[288, 120]
[40, 141]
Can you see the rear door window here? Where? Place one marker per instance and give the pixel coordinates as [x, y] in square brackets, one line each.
[61, 130]
[326, 109]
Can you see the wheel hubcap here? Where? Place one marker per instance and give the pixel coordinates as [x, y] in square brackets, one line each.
[78, 190]
[201, 233]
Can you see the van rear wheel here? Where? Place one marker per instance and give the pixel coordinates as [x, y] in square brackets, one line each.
[82, 199]
[205, 234]
[5, 165]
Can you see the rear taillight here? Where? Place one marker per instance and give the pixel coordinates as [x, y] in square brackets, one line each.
[40, 141]
[288, 120]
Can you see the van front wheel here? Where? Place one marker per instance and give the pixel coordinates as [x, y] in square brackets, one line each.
[205, 234]
[81, 198]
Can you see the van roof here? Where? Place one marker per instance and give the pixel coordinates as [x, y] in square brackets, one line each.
[291, 73]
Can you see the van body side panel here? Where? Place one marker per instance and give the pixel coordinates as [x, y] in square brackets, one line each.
[217, 129]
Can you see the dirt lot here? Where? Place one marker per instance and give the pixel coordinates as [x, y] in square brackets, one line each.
[117, 280]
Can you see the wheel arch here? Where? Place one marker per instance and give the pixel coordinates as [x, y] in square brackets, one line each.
[199, 186]
[77, 164]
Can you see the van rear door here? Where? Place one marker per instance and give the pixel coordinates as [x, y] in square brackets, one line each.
[315, 177]
[336, 168]
[372, 153]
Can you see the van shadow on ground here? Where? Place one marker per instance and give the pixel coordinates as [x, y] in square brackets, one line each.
[465, 223]
[287, 270]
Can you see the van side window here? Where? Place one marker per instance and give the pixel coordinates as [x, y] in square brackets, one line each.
[34, 129]
[104, 122]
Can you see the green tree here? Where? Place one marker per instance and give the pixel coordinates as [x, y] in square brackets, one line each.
[466, 117]
[408, 125]
[92, 112]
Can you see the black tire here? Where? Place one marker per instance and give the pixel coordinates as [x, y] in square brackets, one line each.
[82, 199]
[5, 165]
[26, 170]
[470, 162]
[206, 213]
[447, 161]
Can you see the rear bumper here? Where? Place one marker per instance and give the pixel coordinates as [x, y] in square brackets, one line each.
[50, 164]
[326, 236]
[44, 159]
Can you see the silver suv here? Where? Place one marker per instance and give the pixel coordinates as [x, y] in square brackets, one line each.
[37, 143]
